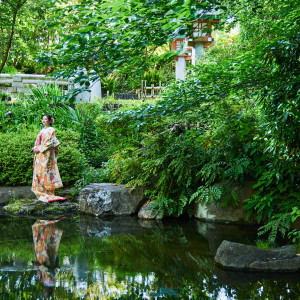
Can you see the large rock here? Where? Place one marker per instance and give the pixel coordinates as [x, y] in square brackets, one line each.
[215, 212]
[223, 214]
[244, 257]
[147, 212]
[8, 194]
[110, 199]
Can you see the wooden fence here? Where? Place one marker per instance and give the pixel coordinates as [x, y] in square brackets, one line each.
[123, 96]
[21, 83]
[150, 91]
[145, 92]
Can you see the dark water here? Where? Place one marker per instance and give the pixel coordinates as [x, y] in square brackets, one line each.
[125, 258]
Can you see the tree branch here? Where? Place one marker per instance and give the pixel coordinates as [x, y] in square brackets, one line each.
[20, 3]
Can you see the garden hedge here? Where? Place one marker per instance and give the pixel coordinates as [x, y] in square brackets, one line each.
[16, 161]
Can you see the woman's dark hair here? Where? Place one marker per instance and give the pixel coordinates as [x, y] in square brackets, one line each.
[49, 117]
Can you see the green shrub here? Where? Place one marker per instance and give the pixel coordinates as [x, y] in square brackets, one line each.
[70, 160]
[16, 161]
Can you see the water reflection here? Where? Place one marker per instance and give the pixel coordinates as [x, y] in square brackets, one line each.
[126, 258]
[46, 240]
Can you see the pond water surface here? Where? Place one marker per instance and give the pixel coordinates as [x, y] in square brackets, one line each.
[126, 258]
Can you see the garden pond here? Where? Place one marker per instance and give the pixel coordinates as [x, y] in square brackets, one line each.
[126, 258]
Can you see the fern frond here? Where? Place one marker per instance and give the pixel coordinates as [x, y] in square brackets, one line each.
[279, 223]
[206, 194]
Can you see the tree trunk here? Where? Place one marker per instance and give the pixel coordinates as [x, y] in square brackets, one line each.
[20, 3]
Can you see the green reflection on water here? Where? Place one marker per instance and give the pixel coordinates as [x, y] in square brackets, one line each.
[125, 258]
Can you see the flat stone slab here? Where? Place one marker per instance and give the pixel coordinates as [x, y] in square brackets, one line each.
[244, 257]
[108, 199]
[33, 207]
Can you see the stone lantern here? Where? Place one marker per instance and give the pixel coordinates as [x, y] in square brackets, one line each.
[203, 35]
[181, 59]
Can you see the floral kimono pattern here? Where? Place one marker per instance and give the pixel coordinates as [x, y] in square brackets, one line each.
[46, 176]
[46, 239]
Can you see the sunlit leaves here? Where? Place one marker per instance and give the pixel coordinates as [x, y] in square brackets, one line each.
[119, 32]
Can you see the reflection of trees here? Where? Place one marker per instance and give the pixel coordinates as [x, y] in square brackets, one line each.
[167, 260]
[167, 254]
[264, 289]
[15, 241]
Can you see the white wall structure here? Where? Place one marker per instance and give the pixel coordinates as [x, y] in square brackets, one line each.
[21, 83]
[13, 85]
[83, 96]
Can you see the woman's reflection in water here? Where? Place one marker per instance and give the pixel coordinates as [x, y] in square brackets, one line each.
[46, 239]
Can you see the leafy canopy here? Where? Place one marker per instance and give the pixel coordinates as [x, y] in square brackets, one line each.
[113, 33]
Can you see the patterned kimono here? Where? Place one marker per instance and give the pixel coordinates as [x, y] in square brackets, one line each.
[46, 176]
[46, 239]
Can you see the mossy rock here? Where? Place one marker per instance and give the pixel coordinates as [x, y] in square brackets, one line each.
[33, 207]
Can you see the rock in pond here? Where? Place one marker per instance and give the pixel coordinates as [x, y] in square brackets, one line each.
[244, 257]
[34, 207]
[110, 199]
[148, 213]
[215, 212]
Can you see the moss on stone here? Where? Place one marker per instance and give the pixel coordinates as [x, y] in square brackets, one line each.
[16, 205]
[35, 207]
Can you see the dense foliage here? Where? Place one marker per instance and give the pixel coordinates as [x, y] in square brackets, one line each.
[22, 36]
[118, 34]
[236, 116]
[16, 161]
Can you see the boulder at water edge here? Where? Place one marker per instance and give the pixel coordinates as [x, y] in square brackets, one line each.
[110, 199]
[215, 212]
[244, 257]
[147, 212]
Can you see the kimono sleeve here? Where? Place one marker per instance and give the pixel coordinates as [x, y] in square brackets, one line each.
[49, 141]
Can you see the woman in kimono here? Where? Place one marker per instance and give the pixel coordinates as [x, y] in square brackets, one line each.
[46, 176]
